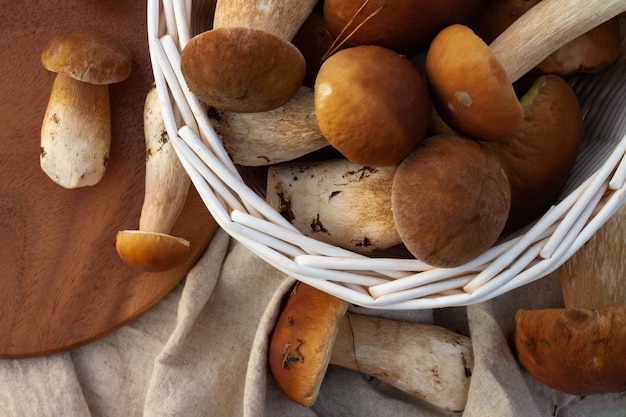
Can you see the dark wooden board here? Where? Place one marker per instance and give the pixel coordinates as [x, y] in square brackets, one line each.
[62, 284]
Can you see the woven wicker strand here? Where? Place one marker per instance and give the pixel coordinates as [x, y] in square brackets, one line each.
[595, 190]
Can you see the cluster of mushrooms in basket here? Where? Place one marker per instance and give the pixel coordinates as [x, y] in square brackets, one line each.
[361, 115]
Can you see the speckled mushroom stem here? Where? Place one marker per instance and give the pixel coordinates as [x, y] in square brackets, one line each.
[545, 28]
[167, 182]
[265, 138]
[337, 202]
[427, 361]
[281, 18]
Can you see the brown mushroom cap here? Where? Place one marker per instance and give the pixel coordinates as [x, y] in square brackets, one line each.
[450, 200]
[574, 350]
[470, 89]
[539, 157]
[87, 55]
[302, 342]
[406, 26]
[150, 251]
[241, 69]
[372, 105]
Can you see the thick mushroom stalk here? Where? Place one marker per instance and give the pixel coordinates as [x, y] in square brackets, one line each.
[265, 138]
[471, 83]
[336, 202]
[247, 63]
[427, 361]
[76, 129]
[313, 331]
[151, 248]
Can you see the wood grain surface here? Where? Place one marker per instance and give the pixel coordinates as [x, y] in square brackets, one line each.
[62, 284]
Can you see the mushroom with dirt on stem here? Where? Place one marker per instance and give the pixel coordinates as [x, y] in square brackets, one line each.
[76, 129]
[315, 329]
[151, 247]
[246, 62]
[336, 201]
[471, 82]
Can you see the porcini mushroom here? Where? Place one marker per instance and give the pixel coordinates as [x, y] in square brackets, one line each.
[372, 105]
[406, 26]
[313, 331]
[471, 83]
[270, 137]
[336, 202]
[539, 157]
[589, 52]
[76, 128]
[246, 62]
[151, 248]
[579, 349]
[450, 200]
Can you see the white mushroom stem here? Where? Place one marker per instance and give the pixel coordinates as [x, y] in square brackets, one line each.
[76, 133]
[281, 18]
[545, 28]
[264, 138]
[337, 202]
[595, 276]
[167, 182]
[427, 361]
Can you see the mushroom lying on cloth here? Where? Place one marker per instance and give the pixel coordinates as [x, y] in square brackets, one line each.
[580, 349]
[76, 129]
[313, 331]
[246, 63]
[151, 248]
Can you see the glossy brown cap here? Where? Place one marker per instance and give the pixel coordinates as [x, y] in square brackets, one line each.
[150, 251]
[470, 89]
[242, 70]
[90, 56]
[372, 105]
[450, 200]
[302, 342]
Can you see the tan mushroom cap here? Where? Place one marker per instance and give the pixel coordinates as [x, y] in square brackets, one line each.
[91, 56]
[242, 70]
[372, 105]
[151, 251]
[470, 89]
[450, 200]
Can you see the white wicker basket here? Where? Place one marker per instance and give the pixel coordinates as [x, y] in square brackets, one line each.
[594, 192]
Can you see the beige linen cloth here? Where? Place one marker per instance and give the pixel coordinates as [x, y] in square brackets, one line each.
[201, 351]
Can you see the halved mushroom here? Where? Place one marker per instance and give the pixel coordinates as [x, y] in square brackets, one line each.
[471, 82]
[246, 63]
[313, 331]
[151, 248]
[76, 129]
[336, 202]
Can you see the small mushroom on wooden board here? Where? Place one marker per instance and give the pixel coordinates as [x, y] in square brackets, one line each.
[313, 331]
[337, 202]
[471, 82]
[151, 248]
[246, 62]
[579, 349]
[270, 137]
[76, 128]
